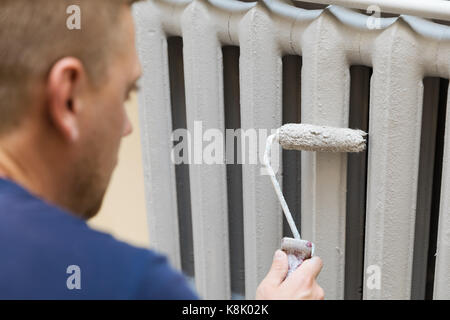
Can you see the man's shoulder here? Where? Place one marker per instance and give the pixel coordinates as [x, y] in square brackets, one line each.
[42, 247]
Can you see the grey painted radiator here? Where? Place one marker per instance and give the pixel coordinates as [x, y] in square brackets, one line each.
[379, 220]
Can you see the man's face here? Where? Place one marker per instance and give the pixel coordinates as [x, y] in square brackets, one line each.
[104, 123]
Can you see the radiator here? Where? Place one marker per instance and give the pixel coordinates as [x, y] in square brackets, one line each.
[380, 221]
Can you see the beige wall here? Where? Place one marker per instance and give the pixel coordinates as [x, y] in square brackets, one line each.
[123, 211]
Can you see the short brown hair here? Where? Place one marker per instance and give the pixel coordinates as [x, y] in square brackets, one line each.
[34, 35]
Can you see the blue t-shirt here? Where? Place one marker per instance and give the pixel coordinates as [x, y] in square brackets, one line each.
[48, 253]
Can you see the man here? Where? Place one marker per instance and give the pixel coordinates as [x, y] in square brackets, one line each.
[62, 117]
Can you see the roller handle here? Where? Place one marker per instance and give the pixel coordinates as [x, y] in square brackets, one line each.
[297, 251]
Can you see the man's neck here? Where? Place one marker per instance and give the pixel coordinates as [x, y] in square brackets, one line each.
[8, 168]
[29, 173]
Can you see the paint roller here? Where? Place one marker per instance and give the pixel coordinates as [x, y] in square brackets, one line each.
[307, 137]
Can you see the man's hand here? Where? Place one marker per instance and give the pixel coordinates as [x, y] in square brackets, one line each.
[300, 285]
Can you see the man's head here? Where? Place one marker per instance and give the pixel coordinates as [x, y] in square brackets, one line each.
[62, 95]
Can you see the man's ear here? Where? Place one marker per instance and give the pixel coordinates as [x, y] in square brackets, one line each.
[63, 89]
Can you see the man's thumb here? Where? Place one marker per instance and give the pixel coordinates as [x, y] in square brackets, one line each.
[279, 268]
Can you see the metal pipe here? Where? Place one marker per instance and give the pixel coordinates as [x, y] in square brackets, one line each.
[432, 9]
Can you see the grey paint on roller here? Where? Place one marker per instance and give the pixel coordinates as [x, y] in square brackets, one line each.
[297, 251]
[297, 246]
[296, 136]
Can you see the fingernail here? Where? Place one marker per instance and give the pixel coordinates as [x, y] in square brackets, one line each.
[278, 254]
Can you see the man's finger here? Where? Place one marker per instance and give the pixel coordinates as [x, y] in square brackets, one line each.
[310, 268]
[279, 268]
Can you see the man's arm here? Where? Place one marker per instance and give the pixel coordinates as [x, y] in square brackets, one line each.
[161, 282]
